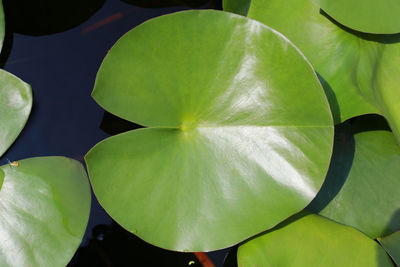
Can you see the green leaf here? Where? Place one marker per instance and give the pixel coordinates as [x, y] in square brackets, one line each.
[15, 106]
[1, 178]
[44, 209]
[387, 84]
[347, 62]
[365, 15]
[311, 240]
[361, 189]
[391, 244]
[240, 128]
[240, 7]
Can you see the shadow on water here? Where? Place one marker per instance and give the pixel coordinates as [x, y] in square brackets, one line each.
[113, 125]
[215, 4]
[42, 17]
[111, 245]
[231, 258]
[6, 49]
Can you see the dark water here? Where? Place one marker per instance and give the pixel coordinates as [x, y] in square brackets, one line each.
[58, 50]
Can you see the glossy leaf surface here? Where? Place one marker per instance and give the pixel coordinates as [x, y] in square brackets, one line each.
[361, 189]
[365, 15]
[44, 209]
[391, 244]
[312, 240]
[229, 138]
[348, 62]
[15, 106]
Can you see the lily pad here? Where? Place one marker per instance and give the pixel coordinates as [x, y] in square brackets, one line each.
[370, 16]
[362, 185]
[311, 240]
[348, 63]
[44, 209]
[15, 106]
[239, 128]
[391, 244]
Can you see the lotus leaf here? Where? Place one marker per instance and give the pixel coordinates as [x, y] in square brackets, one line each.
[15, 106]
[238, 126]
[361, 189]
[371, 16]
[311, 240]
[391, 244]
[44, 209]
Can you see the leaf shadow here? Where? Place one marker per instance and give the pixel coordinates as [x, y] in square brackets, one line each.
[380, 38]
[343, 156]
[333, 103]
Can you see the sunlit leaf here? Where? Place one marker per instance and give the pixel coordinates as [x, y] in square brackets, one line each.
[312, 240]
[44, 209]
[382, 16]
[352, 66]
[239, 128]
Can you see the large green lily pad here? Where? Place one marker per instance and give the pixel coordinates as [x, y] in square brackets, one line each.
[312, 240]
[351, 65]
[44, 209]
[363, 183]
[391, 244]
[15, 106]
[239, 128]
[371, 16]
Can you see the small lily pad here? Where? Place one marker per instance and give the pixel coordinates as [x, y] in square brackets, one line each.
[311, 240]
[44, 210]
[15, 107]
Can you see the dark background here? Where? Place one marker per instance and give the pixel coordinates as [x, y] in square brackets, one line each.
[57, 47]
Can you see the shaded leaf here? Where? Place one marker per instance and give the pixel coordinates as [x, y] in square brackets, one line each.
[229, 138]
[391, 244]
[365, 15]
[44, 209]
[238, 6]
[362, 185]
[311, 240]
